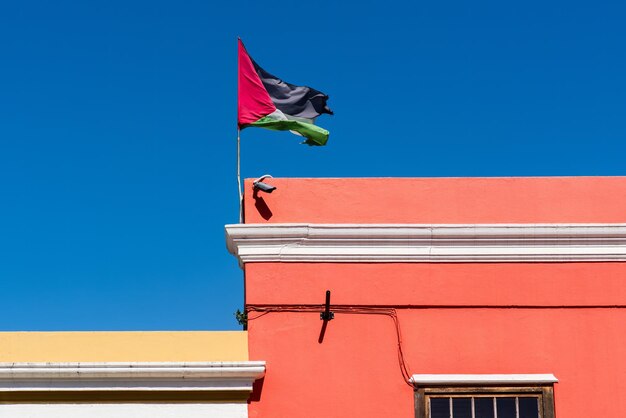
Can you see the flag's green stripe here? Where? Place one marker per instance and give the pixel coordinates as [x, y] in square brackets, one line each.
[314, 134]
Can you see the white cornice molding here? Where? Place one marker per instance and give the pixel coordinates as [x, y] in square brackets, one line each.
[482, 379]
[170, 376]
[418, 243]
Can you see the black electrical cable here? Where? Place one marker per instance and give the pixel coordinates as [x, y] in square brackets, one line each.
[345, 309]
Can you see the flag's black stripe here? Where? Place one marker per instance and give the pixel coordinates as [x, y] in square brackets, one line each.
[299, 101]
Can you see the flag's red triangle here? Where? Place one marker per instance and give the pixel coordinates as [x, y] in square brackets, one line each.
[254, 102]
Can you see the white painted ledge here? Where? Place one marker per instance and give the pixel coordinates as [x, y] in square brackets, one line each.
[416, 243]
[171, 376]
[482, 379]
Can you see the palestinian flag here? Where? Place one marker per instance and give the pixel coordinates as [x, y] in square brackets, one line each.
[266, 101]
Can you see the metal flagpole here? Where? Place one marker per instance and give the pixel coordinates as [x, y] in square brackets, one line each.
[239, 176]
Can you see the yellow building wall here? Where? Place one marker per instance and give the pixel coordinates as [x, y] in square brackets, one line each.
[125, 346]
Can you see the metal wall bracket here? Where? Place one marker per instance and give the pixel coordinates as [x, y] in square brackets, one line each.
[327, 315]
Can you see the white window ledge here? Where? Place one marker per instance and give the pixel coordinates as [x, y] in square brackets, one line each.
[482, 379]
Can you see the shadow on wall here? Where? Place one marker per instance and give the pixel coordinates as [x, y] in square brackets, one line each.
[261, 206]
[322, 332]
[257, 389]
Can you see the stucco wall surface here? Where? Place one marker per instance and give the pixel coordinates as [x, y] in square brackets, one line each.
[502, 318]
[123, 346]
[440, 200]
[355, 372]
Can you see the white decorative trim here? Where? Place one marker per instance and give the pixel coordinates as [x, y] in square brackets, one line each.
[174, 376]
[482, 379]
[415, 243]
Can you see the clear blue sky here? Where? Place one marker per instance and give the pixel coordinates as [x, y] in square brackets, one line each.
[118, 126]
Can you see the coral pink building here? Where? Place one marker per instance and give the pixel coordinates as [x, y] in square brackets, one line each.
[455, 298]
